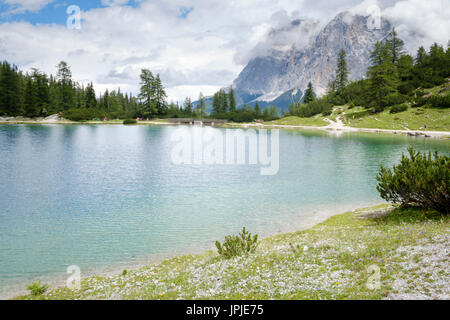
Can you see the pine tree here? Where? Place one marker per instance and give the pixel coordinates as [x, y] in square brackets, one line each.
[309, 94]
[160, 96]
[257, 110]
[66, 94]
[31, 108]
[41, 83]
[223, 100]
[147, 94]
[91, 100]
[341, 72]
[216, 103]
[231, 100]
[421, 56]
[396, 46]
[10, 94]
[105, 100]
[382, 74]
[188, 105]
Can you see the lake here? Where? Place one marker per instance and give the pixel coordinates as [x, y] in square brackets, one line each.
[103, 197]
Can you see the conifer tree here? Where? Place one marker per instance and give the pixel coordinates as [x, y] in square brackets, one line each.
[396, 46]
[231, 100]
[66, 92]
[160, 96]
[31, 108]
[341, 72]
[382, 74]
[91, 101]
[147, 94]
[309, 94]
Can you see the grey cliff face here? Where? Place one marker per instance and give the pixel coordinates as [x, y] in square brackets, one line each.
[280, 71]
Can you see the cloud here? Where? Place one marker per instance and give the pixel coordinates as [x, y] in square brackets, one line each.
[21, 6]
[203, 51]
[114, 2]
[420, 22]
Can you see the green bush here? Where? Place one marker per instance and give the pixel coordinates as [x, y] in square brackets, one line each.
[37, 289]
[315, 107]
[437, 101]
[420, 101]
[83, 114]
[129, 121]
[420, 180]
[395, 99]
[399, 108]
[237, 245]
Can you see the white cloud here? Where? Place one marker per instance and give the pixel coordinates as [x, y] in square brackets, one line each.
[21, 6]
[421, 22]
[203, 52]
[114, 2]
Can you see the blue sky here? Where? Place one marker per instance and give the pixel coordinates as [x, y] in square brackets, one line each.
[53, 12]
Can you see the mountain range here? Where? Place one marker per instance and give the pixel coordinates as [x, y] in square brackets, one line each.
[280, 75]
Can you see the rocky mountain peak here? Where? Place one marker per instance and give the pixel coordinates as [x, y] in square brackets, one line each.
[267, 77]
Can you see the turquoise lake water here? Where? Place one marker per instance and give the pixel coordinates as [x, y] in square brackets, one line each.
[101, 197]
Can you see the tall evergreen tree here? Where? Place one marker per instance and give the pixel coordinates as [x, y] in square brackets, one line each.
[382, 74]
[66, 92]
[91, 100]
[10, 94]
[223, 100]
[309, 94]
[188, 105]
[160, 96]
[231, 100]
[257, 110]
[341, 72]
[396, 46]
[216, 103]
[147, 94]
[31, 108]
[42, 88]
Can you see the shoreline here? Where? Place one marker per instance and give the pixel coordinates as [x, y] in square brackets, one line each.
[332, 261]
[338, 127]
[314, 216]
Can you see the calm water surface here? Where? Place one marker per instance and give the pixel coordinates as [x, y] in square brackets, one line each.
[101, 196]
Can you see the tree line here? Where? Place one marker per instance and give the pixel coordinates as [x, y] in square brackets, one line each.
[394, 79]
[35, 94]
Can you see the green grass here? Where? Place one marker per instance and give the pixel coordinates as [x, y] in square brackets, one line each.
[412, 119]
[297, 121]
[329, 261]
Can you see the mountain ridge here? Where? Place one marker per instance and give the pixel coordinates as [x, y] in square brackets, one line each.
[265, 78]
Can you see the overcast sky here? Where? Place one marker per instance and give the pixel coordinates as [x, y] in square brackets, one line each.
[198, 45]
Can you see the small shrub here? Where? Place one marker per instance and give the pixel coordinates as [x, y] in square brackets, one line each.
[437, 101]
[129, 121]
[420, 180]
[395, 98]
[237, 245]
[37, 289]
[399, 108]
[315, 107]
[420, 102]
